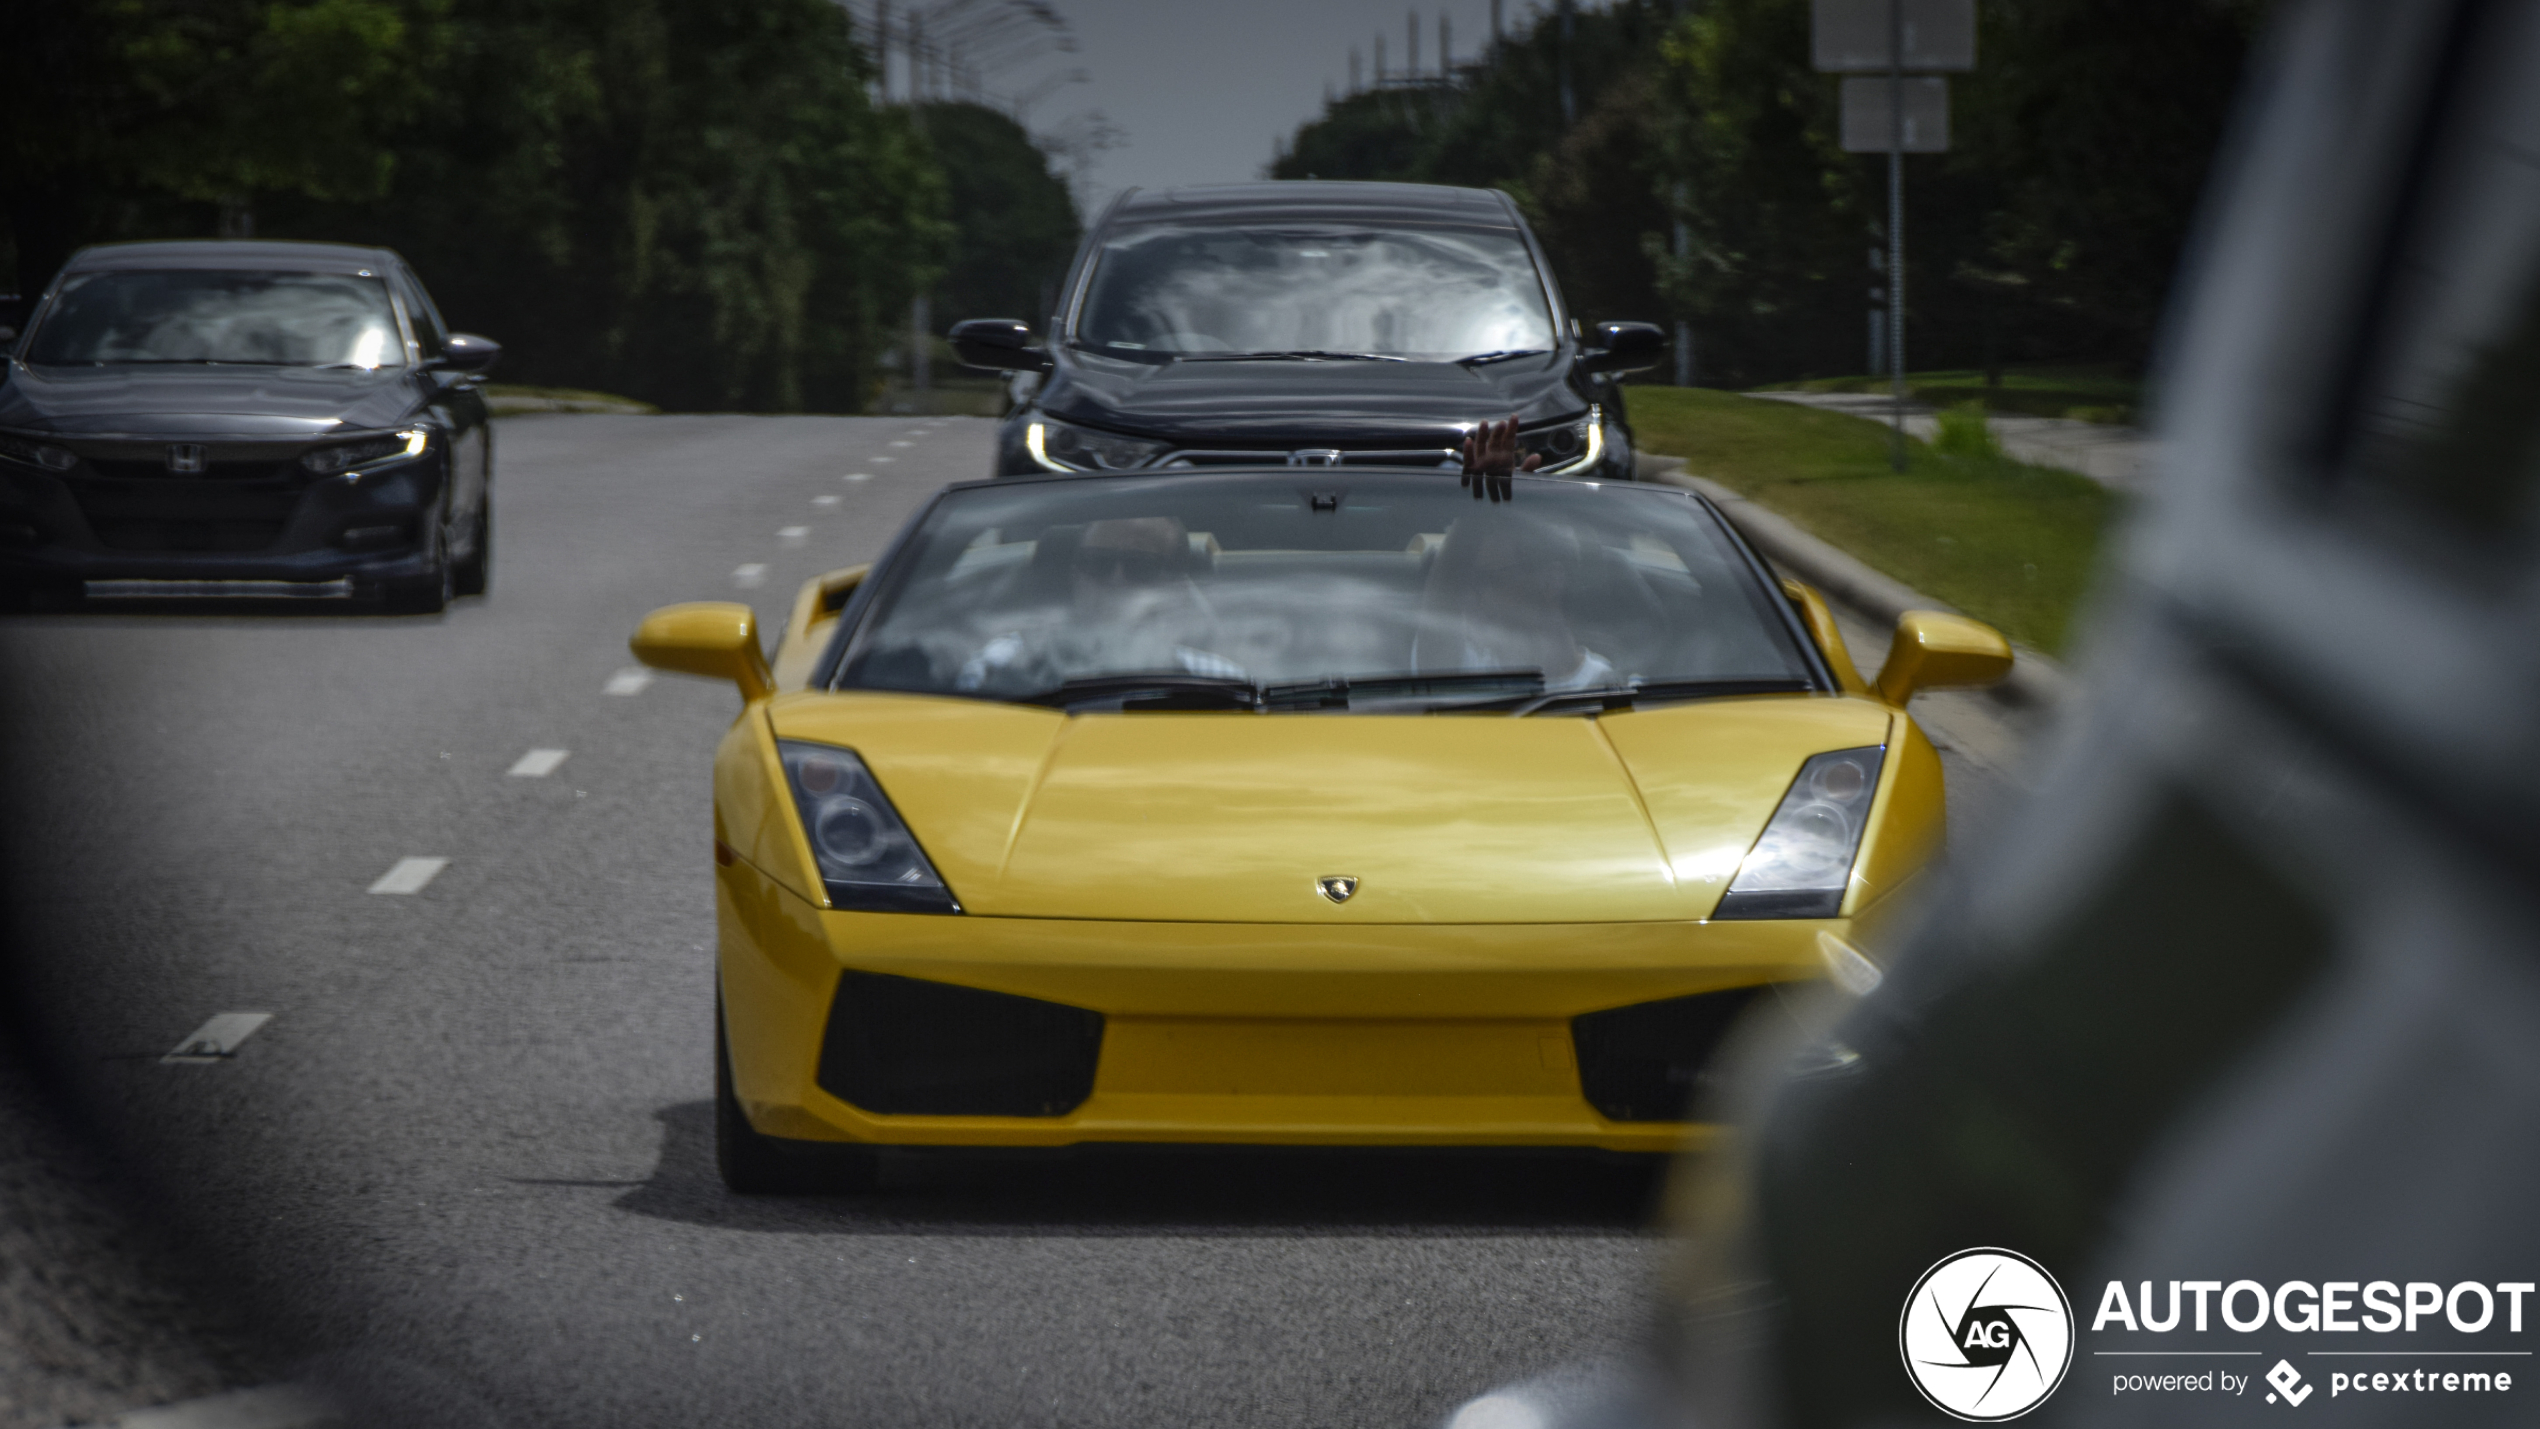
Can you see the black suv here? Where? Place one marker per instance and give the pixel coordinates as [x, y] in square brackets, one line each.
[1312, 324]
[244, 411]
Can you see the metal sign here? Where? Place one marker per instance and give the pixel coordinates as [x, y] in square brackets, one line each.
[1857, 35]
[1870, 111]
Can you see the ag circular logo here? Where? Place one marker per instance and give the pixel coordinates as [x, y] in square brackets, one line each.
[1987, 1335]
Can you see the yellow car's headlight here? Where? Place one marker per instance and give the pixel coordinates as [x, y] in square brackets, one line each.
[869, 861]
[1802, 863]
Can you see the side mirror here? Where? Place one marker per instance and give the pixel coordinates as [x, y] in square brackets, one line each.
[999, 345]
[466, 352]
[1626, 347]
[714, 638]
[1932, 650]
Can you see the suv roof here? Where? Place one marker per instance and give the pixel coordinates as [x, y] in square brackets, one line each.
[233, 253]
[1315, 199]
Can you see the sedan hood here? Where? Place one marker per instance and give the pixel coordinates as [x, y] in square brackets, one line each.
[1302, 402]
[205, 401]
[1638, 816]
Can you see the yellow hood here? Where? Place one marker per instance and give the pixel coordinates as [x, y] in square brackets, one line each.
[1233, 817]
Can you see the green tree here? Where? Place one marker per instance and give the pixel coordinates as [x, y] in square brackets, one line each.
[1014, 225]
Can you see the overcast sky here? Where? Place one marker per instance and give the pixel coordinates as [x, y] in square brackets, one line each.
[1200, 89]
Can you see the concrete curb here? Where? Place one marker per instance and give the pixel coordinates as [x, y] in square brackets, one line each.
[2034, 681]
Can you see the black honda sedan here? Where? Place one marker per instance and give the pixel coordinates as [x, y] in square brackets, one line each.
[1312, 324]
[244, 412]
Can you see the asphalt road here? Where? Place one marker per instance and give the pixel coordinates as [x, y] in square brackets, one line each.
[468, 1160]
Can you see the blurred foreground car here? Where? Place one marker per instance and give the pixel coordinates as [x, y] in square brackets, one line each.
[237, 411]
[2244, 1010]
[1239, 807]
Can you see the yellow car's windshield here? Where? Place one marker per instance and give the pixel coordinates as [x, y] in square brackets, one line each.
[1295, 591]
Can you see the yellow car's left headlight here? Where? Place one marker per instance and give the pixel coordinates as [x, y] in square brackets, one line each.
[869, 861]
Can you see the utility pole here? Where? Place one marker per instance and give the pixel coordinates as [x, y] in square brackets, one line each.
[1494, 22]
[882, 45]
[1896, 226]
[1684, 256]
[1446, 46]
[1411, 44]
[1354, 85]
[1380, 59]
[1569, 96]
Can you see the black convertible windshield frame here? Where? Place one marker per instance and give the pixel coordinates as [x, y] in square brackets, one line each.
[1270, 592]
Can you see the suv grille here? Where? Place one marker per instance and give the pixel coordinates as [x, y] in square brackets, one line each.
[900, 1046]
[1643, 1062]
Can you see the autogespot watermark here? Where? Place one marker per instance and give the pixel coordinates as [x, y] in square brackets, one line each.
[2438, 1359]
[1986, 1335]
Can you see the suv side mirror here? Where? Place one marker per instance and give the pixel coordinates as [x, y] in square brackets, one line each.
[1626, 347]
[1933, 649]
[466, 352]
[999, 345]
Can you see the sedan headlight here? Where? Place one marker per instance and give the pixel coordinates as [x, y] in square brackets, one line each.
[869, 861]
[1063, 446]
[1567, 446]
[327, 461]
[1803, 862]
[36, 453]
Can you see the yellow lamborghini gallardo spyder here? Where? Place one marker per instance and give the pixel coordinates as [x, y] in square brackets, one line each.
[1307, 806]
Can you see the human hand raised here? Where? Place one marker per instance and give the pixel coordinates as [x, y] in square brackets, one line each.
[1490, 459]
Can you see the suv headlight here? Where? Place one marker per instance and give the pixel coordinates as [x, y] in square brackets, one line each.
[37, 454]
[1801, 865]
[327, 461]
[1064, 446]
[869, 861]
[1567, 446]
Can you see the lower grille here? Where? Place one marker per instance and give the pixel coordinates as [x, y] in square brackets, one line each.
[900, 1046]
[187, 535]
[1643, 1062]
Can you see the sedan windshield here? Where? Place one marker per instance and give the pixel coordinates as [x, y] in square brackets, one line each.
[1438, 293]
[1269, 592]
[180, 317]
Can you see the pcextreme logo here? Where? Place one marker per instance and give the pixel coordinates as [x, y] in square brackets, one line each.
[1986, 1335]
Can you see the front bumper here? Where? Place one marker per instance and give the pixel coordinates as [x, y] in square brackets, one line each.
[270, 522]
[1399, 1035]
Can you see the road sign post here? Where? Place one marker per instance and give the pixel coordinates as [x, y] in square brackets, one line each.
[1887, 112]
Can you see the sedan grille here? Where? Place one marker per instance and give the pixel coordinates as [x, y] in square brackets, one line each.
[1643, 1062]
[900, 1046]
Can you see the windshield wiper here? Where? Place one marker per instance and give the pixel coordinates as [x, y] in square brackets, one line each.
[1500, 355]
[1623, 697]
[1162, 690]
[1302, 354]
[1341, 693]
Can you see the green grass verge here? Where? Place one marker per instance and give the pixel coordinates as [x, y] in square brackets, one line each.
[507, 399]
[2084, 393]
[2010, 544]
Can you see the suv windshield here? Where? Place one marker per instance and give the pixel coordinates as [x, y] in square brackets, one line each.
[1271, 592]
[1409, 292]
[219, 316]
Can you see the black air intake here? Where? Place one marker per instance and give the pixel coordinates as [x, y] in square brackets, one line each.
[900, 1046]
[1641, 1063]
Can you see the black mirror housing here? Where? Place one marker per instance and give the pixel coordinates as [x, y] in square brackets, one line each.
[998, 345]
[1626, 347]
[466, 352]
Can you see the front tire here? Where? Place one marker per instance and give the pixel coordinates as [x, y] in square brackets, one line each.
[753, 1164]
[471, 574]
[427, 592]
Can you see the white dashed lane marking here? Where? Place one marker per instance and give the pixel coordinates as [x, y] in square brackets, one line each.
[410, 875]
[903, 444]
[538, 763]
[218, 1039]
[793, 535]
[629, 681]
[749, 577]
[857, 476]
[831, 499]
[880, 459]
